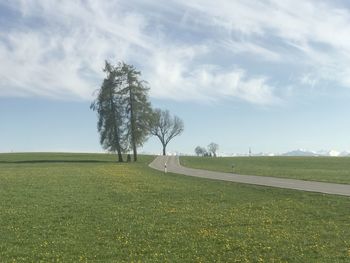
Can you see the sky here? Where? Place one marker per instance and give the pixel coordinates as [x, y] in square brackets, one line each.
[270, 75]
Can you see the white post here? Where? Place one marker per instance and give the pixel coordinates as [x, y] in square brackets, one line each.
[165, 169]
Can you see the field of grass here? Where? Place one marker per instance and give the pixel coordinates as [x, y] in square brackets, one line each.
[323, 169]
[86, 208]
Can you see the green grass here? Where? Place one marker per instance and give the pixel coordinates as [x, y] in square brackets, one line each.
[324, 169]
[81, 207]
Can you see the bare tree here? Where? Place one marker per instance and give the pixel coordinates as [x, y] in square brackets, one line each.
[212, 148]
[165, 127]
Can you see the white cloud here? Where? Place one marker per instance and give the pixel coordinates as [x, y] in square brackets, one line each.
[316, 29]
[184, 48]
[252, 49]
[174, 79]
[62, 56]
[309, 80]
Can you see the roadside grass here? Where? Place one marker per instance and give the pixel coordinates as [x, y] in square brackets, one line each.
[323, 169]
[90, 209]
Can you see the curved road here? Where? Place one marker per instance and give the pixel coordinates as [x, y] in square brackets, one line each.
[173, 166]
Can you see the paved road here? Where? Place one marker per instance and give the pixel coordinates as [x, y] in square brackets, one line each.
[173, 166]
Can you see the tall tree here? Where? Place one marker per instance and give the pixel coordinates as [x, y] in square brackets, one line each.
[165, 127]
[138, 108]
[109, 108]
[212, 148]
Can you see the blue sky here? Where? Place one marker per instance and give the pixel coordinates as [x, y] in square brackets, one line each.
[270, 75]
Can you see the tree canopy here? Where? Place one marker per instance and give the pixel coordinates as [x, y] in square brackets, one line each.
[200, 151]
[134, 92]
[165, 127]
[211, 152]
[213, 148]
[109, 108]
[123, 109]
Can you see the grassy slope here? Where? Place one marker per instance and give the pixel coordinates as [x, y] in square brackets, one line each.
[91, 209]
[326, 169]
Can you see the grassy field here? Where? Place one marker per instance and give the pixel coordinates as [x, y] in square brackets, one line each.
[86, 208]
[326, 169]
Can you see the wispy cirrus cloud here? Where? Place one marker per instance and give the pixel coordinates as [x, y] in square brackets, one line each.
[187, 50]
[61, 55]
[310, 35]
[175, 78]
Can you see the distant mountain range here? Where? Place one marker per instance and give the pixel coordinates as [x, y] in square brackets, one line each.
[299, 152]
[302, 152]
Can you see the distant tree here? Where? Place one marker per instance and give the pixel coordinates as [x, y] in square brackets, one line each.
[109, 108]
[212, 148]
[200, 151]
[165, 127]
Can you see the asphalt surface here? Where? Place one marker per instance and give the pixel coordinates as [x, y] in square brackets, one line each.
[173, 166]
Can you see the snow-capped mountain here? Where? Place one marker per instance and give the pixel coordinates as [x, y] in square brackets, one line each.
[344, 153]
[263, 154]
[300, 152]
[330, 153]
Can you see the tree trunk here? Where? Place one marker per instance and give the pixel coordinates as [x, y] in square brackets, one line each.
[132, 121]
[115, 127]
[135, 152]
[120, 156]
[164, 150]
